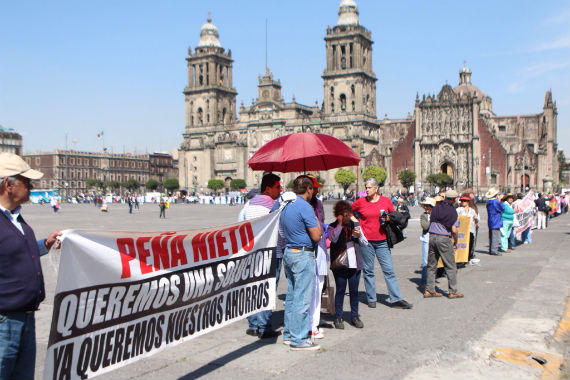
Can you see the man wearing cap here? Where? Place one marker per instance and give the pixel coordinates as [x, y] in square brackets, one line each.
[301, 231]
[442, 239]
[21, 279]
[494, 220]
[259, 324]
[321, 263]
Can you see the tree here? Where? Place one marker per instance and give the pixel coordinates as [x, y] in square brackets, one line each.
[290, 184]
[215, 184]
[439, 179]
[344, 178]
[131, 184]
[236, 184]
[171, 184]
[152, 184]
[113, 185]
[407, 178]
[94, 183]
[375, 172]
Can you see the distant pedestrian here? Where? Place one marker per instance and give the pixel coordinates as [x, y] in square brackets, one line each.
[428, 204]
[162, 206]
[130, 202]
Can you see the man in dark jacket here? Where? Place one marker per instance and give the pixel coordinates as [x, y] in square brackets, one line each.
[21, 279]
[442, 240]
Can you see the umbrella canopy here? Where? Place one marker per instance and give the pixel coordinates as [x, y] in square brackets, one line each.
[301, 152]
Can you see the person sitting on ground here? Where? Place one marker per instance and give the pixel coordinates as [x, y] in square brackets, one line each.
[345, 236]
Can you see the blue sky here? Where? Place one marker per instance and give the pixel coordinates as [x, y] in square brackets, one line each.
[75, 68]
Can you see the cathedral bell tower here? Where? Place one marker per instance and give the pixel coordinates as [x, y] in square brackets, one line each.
[210, 98]
[349, 82]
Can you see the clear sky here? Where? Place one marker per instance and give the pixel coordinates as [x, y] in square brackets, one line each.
[71, 69]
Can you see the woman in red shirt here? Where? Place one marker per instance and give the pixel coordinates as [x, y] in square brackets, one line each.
[373, 212]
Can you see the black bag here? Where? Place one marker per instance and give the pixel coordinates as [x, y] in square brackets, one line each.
[341, 261]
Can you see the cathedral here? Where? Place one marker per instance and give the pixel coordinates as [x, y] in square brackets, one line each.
[454, 132]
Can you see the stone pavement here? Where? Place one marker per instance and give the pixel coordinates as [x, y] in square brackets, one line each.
[511, 302]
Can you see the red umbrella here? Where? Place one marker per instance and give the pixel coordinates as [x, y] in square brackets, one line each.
[301, 152]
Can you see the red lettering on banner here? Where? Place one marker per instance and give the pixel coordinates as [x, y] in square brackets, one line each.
[246, 235]
[159, 245]
[178, 252]
[199, 247]
[224, 242]
[144, 247]
[220, 240]
[126, 247]
[144, 253]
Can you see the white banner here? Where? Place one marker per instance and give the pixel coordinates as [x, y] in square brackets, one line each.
[123, 296]
[525, 213]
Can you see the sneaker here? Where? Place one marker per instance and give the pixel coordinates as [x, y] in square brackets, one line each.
[252, 332]
[317, 334]
[287, 342]
[455, 295]
[338, 324]
[372, 305]
[496, 254]
[268, 334]
[474, 261]
[356, 322]
[306, 347]
[401, 304]
[428, 294]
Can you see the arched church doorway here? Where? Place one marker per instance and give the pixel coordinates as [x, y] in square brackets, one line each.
[447, 168]
[525, 183]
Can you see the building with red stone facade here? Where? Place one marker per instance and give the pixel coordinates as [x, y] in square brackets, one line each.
[457, 133]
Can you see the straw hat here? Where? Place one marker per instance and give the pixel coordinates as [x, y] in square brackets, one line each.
[492, 193]
[429, 201]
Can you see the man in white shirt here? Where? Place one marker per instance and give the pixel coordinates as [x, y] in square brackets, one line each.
[259, 324]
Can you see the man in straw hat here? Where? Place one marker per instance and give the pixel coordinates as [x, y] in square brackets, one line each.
[442, 240]
[21, 279]
[494, 220]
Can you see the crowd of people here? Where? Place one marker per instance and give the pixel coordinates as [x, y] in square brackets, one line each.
[367, 228]
[307, 248]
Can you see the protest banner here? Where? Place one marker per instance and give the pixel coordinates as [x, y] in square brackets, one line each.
[462, 249]
[525, 213]
[123, 296]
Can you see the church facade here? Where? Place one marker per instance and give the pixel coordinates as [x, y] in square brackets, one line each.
[454, 132]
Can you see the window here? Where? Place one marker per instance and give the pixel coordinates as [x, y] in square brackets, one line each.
[502, 128]
[493, 179]
[343, 102]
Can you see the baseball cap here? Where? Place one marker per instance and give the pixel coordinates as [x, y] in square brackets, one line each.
[11, 164]
[450, 194]
[315, 182]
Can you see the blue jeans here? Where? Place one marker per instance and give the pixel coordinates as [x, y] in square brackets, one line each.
[300, 273]
[382, 252]
[262, 321]
[341, 278]
[425, 250]
[17, 345]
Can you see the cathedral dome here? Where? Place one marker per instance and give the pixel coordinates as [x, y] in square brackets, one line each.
[209, 35]
[347, 13]
[465, 87]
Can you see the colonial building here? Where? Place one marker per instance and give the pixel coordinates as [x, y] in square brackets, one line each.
[69, 170]
[455, 132]
[10, 141]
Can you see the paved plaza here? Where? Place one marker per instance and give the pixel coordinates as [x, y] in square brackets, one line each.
[511, 302]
